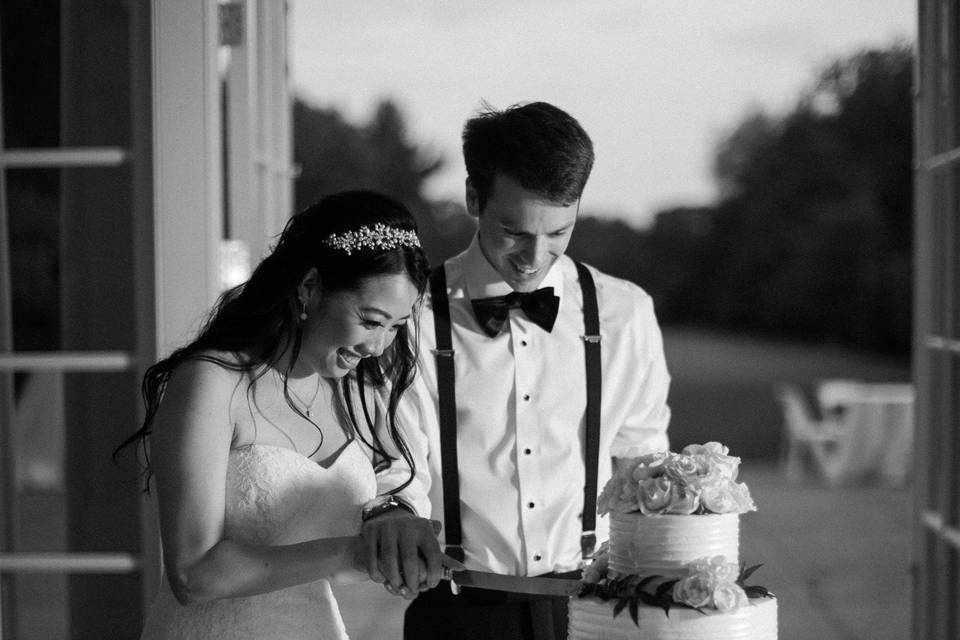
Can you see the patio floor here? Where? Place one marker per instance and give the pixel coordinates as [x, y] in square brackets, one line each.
[837, 558]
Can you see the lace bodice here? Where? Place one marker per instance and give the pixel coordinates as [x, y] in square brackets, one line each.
[276, 496]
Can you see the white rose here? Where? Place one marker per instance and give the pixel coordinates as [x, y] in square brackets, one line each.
[625, 467]
[655, 496]
[728, 596]
[683, 500]
[708, 474]
[719, 498]
[742, 495]
[716, 454]
[630, 496]
[708, 449]
[696, 590]
[715, 566]
[596, 570]
[617, 498]
[681, 467]
[650, 465]
[728, 466]
[722, 570]
[604, 502]
[715, 448]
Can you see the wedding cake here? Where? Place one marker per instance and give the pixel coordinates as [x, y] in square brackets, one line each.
[672, 568]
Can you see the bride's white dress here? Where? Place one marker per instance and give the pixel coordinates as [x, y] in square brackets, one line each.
[276, 496]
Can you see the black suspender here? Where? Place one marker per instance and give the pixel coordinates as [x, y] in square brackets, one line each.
[448, 412]
[591, 347]
[447, 401]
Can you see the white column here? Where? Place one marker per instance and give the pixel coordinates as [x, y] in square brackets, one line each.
[188, 221]
[276, 152]
[245, 119]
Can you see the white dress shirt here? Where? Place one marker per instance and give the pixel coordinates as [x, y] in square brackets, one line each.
[521, 400]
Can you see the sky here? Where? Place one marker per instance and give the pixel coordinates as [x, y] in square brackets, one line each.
[656, 83]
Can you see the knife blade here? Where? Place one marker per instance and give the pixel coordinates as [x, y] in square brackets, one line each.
[518, 584]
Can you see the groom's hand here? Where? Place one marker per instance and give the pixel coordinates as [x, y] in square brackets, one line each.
[401, 551]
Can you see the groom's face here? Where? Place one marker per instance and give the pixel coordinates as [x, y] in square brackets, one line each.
[521, 234]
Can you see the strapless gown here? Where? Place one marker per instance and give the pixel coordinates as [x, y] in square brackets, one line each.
[276, 496]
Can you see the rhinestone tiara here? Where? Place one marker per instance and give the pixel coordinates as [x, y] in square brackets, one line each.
[379, 236]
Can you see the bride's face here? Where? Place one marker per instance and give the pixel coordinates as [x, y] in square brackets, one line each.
[343, 327]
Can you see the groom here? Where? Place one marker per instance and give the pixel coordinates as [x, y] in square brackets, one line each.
[536, 372]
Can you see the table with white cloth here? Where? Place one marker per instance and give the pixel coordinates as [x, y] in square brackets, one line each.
[876, 420]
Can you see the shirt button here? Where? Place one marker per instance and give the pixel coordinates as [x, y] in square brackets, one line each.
[523, 343]
[537, 557]
[531, 505]
[526, 396]
[527, 452]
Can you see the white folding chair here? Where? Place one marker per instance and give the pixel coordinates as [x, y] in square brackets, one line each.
[806, 440]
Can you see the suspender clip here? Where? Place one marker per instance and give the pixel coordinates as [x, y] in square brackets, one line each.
[591, 338]
[446, 353]
[588, 542]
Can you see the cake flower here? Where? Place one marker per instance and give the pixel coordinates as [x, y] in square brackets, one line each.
[700, 479]
[596, 570]
[680, 467]
[729, 596]
[726, 498]
[684, 500]
[650, 465]
[655, 495]
[695, 590]
[715, 455]
[716, 566]
[712, 582]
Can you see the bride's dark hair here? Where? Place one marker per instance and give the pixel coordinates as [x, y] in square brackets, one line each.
[257, 321]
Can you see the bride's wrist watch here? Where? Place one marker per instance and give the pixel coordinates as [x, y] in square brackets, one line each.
[383, 504]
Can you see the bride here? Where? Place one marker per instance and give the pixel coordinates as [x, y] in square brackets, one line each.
[263, 430]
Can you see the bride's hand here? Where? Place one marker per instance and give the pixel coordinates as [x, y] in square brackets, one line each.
[449, 567]
[402, 552]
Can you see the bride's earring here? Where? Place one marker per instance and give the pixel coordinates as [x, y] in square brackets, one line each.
[303, 310]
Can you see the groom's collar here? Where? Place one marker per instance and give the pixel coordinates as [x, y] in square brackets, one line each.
[483, 281]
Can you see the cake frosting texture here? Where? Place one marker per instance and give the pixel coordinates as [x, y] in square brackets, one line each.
[644, 545]
[593, 618]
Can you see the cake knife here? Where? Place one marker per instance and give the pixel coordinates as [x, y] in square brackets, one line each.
[518, 584]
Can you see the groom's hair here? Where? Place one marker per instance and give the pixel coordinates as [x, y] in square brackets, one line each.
[543, 148]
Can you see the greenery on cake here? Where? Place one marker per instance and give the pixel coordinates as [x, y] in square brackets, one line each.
[700, 479]
[707, 583]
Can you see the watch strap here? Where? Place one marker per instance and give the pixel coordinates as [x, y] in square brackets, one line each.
[382, 505]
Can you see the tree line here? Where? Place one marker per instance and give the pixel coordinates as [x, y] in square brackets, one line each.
[810, 237]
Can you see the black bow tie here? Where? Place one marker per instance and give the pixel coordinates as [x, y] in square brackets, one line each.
[540, 306]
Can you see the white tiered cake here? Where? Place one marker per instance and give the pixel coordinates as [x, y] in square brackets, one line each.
[672, 569]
